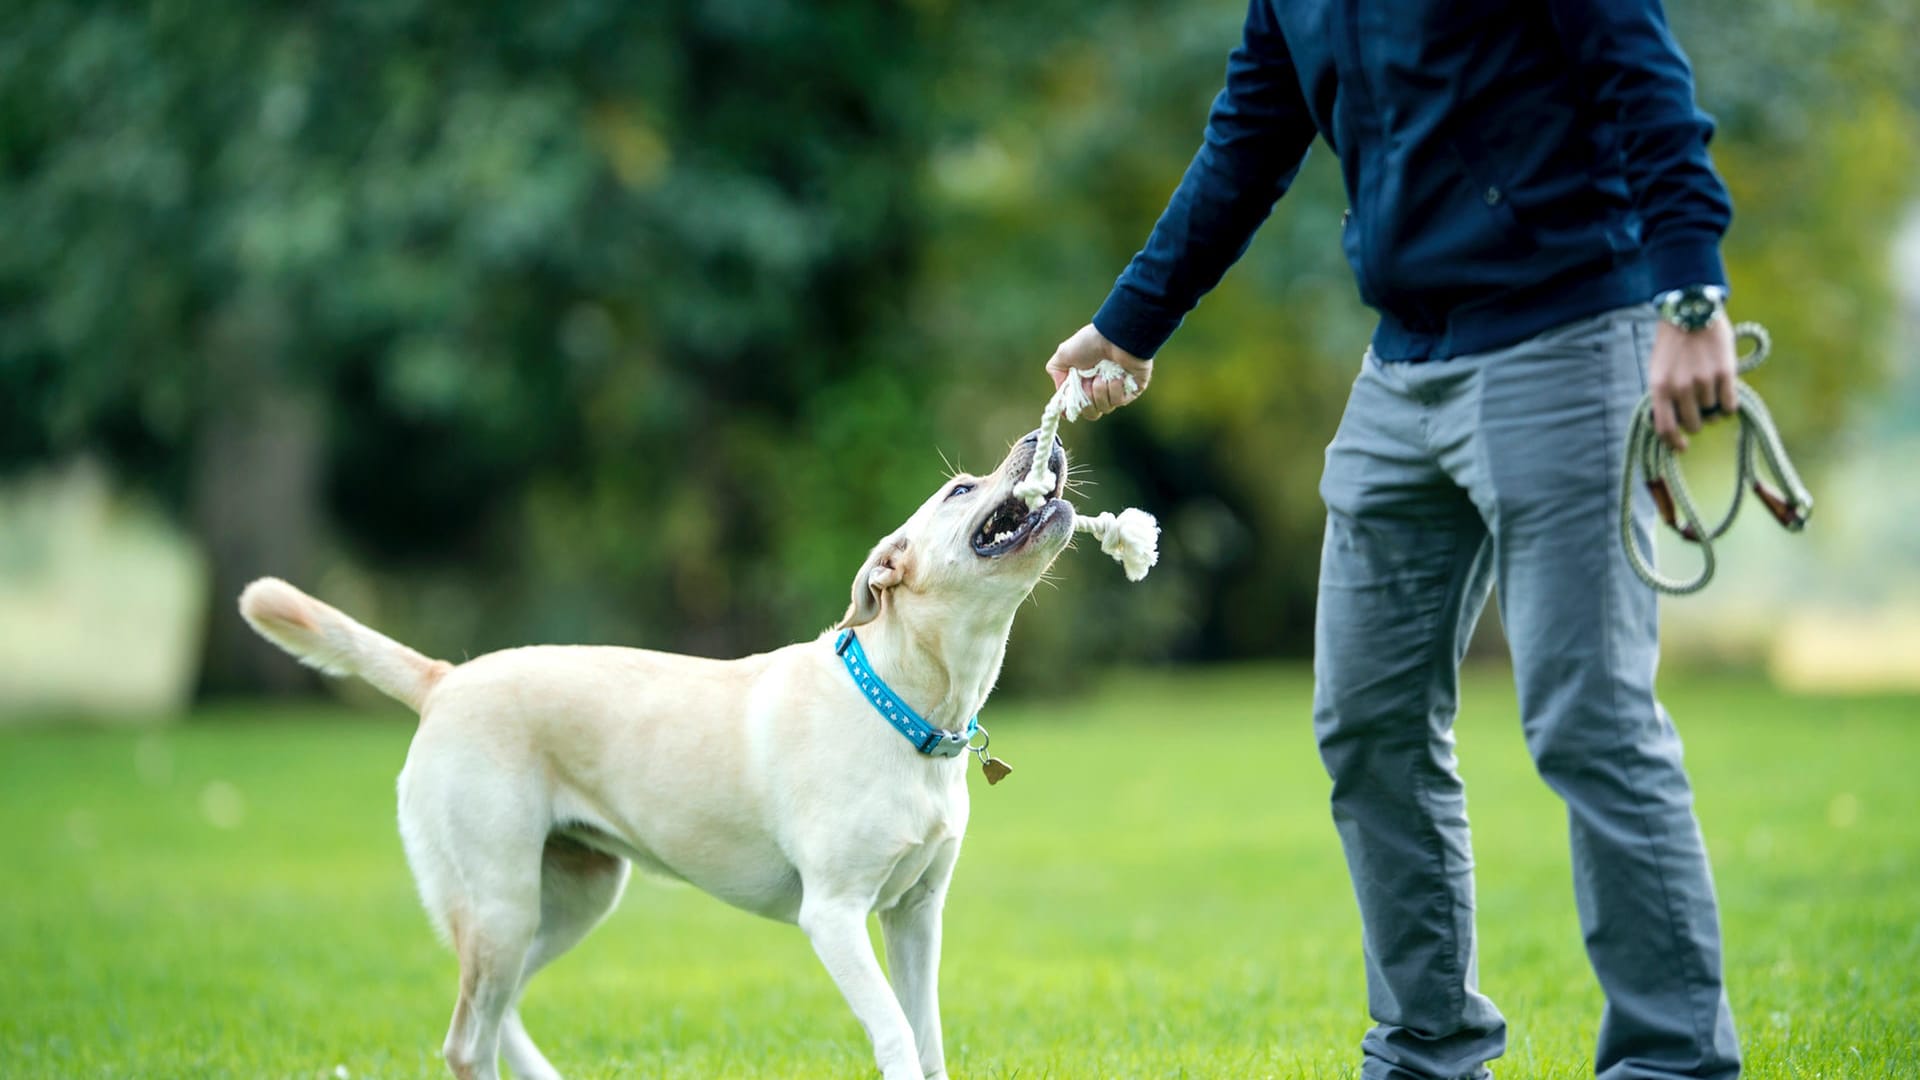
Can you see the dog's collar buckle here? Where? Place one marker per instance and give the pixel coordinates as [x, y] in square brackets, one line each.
[927, 739]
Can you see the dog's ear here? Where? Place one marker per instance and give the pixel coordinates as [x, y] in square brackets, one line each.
[884, 568]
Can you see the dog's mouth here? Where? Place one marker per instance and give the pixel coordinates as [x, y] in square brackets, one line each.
[1010, 525]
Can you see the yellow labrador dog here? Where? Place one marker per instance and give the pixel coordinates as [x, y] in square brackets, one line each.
[775, 782]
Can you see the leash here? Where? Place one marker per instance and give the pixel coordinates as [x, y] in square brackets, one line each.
[1131, 537]
[1659, 468]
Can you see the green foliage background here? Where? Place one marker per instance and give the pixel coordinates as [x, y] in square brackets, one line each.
[596, 320]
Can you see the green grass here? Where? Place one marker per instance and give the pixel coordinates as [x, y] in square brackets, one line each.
[1157, 892]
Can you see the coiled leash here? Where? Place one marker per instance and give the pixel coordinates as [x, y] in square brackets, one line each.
[1131, 537]
[1655, 463]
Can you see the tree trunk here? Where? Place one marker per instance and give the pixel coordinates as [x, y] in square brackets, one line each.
[255, 493]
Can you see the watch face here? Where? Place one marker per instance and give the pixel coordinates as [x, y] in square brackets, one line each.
[1693, 312]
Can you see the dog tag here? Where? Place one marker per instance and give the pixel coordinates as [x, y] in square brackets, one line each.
[995, 769]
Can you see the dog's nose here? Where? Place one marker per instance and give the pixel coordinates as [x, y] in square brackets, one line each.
[1033, 439]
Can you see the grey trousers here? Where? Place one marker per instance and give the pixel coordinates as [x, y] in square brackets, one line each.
[1446, 478]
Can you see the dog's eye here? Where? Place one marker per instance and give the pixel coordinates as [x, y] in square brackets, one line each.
[959, 489]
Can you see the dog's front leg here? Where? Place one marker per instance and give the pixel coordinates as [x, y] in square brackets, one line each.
[912, 932]
[837, 926]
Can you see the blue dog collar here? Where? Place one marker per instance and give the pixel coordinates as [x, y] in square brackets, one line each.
[929, 740]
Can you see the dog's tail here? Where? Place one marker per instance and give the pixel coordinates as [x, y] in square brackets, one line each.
[321, 637]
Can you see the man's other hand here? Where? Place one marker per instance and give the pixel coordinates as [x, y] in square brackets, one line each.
[1087, 348]
[1692, 376]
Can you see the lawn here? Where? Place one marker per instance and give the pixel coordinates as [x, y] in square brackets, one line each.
[1157, 892]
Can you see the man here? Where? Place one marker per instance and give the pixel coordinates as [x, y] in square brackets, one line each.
[1535, 217]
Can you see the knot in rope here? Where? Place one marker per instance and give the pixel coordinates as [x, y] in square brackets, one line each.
[1656, 464]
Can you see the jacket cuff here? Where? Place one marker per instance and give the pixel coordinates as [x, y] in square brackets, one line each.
[1688, 261]
[1135, 323]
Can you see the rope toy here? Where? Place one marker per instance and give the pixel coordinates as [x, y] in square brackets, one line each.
[1131, 537]
[1659, 468]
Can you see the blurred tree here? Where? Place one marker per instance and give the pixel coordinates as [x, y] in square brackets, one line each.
[545, 296]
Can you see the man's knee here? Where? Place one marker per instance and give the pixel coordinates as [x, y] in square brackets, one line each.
[1368, 706]
[1608, 752]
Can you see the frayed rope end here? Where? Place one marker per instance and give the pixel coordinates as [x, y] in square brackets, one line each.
[1132, 537]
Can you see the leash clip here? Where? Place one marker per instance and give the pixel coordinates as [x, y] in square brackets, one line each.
[1663, 501]
[1790, 514]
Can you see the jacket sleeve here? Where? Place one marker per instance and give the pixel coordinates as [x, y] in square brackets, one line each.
[1634, 69]
[1257, 136]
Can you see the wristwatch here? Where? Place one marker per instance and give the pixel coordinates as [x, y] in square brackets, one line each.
[1691, 307]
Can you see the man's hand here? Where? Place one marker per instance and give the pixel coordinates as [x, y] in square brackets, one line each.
[1087, 348]
[1691, 375]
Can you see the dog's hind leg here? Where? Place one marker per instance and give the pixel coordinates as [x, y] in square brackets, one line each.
[523, 1058]
[475, 839]
[492, 947]
[578, 887]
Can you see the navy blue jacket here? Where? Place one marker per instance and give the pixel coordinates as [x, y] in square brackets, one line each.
[1510, 165]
